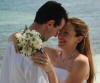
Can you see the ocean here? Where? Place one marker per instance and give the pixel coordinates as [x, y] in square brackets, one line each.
[14, 14]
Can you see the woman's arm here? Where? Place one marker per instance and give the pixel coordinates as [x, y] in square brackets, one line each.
[52, 53]
[13, 38]
[52, 77]
[43, 61]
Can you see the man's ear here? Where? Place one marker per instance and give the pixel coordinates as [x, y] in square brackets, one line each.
[80, 38]
[50, 23]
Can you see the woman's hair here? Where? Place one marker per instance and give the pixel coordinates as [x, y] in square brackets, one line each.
[84, 47]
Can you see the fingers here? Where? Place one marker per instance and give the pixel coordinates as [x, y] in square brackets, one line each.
[41, 62]
[44, 52]
[17, 34]
[39, 59]
[15, 43]
[39, 54]
[13, 38]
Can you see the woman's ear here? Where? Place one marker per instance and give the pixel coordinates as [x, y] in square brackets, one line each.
[80, 38]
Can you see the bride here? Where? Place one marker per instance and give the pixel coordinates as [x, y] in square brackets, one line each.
[73, 63]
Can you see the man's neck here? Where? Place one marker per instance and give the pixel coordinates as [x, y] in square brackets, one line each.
[39, 28]
[36, 27]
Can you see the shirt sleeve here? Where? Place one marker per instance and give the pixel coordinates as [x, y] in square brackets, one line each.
[20, 69]
[10, 72]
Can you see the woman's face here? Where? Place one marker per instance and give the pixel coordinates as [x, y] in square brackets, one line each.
[67, 38]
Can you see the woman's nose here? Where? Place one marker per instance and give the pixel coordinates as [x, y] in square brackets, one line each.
[60, 36]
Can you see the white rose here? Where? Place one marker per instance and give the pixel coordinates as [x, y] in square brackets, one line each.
[38, 44]
[29, 51]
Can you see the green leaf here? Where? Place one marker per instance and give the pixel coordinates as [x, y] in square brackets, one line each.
[42, 38]
[26, 28]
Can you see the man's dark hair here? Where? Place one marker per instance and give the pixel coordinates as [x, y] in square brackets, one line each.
[51, 10]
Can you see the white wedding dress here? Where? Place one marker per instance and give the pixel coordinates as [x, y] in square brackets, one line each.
[62, 75]
[20, 69]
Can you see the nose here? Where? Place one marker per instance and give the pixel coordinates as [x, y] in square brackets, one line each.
[56, 35]
[60, 36]
[60, 33]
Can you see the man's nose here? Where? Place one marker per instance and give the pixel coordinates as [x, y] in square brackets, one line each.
[60, 33]
[56, 34]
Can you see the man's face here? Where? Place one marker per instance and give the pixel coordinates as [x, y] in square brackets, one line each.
[53, 31]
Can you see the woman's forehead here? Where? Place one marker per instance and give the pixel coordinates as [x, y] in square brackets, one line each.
[68, 26]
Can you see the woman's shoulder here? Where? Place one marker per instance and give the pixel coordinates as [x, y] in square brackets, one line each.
[81, 65]
[82, 59]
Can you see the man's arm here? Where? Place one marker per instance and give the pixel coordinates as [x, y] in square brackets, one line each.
[10, 70]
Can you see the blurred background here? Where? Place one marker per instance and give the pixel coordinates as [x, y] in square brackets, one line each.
[14, 14]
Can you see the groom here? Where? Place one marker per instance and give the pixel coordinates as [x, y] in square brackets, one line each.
[50, 18]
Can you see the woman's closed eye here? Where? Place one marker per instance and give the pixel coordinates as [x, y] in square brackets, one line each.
[65, 33]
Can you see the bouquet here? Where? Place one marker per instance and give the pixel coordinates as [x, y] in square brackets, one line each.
[29, 42]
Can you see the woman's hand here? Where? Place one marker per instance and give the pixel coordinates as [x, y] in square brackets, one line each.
[43, 61]
[13, 38]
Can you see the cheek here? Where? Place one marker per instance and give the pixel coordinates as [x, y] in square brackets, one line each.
[70, 39]
[74, 41]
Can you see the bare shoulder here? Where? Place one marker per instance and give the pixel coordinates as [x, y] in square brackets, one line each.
[80, 70]
[81, 65]
[81, 60]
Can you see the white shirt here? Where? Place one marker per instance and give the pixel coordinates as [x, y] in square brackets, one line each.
[20, 69]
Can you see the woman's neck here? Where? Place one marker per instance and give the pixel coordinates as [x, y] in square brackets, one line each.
[70, 53]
